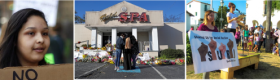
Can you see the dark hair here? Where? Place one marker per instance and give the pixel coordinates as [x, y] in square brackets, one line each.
[135, 48]
[230, 4]
[8, 48]
[126, 35]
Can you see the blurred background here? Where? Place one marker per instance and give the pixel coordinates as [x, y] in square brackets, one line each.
[59, 15]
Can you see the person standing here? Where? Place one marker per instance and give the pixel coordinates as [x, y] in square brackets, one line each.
[259, 32]
[208, 25]
[276, 38]
[264, 37]
[237, 35]
[119, 46]
[246, 35]
[252, 28]
[134, 51]
[127, 53]
[277, 34]
[241, 36]
[231, 19]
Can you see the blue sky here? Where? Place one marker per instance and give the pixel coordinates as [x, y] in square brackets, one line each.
[168, 7]
[240, 4]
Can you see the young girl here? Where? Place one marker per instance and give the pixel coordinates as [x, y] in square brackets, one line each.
[275, 49]
[26, 39]
[222, 30]
[257, 39]
[250, 43]
[246, 35]
[237, 35]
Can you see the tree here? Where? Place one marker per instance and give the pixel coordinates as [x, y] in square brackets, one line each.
[78, 19]
[271, 7]
[173, 18]
[275, 5]
[224, 13]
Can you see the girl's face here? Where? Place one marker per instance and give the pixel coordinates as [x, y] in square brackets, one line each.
[33, 40]
[210, 17]
[232, 8]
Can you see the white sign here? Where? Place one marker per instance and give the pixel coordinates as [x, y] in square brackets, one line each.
[213, 50]
[48, 7]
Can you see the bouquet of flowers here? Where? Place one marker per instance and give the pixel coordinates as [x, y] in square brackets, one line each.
[103, 48]
[84, 56]
[108, 45]
[179, 61]
[111, 61]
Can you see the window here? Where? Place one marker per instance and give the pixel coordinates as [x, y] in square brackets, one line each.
[205, 7]
[195, 13]
[190, 6]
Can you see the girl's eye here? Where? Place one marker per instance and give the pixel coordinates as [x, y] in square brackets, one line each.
[31, 33]
[46, 34]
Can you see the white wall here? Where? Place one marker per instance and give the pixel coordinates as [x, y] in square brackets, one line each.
[82, 33]
[195, 7]
[255, 11]
[172, 35]
[188, 22]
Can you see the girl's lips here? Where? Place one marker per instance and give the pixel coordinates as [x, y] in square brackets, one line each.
[39, 50]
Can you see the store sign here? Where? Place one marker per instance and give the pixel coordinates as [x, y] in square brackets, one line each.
[104, 16]
[124, 17]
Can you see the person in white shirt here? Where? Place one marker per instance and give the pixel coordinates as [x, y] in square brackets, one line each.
[231, 19]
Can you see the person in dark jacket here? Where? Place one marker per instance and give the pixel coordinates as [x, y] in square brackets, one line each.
[120, 45]
[127, 53]
[134, 51]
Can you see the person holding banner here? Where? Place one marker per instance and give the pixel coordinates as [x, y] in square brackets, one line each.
[208, 25]
[26, 39]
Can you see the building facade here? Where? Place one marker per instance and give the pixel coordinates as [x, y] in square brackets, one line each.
[198, 9]
[153, 35]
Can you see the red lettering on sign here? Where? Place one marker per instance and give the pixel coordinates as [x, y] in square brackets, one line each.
[123, 16]
[132, 15]
[143, 17]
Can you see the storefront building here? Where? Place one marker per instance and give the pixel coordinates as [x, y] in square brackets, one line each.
[153, 35]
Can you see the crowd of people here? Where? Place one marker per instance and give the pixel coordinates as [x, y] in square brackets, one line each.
[254, 38]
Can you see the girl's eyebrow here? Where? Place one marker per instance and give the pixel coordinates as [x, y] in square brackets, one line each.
[35, 28]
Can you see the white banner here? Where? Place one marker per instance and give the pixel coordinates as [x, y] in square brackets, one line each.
[48, 7]
[213, 50]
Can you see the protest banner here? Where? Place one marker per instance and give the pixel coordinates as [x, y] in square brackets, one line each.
[46, 72]
[213, 50]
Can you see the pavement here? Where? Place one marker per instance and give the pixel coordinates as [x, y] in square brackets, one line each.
[85, 68]
[146, 72]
